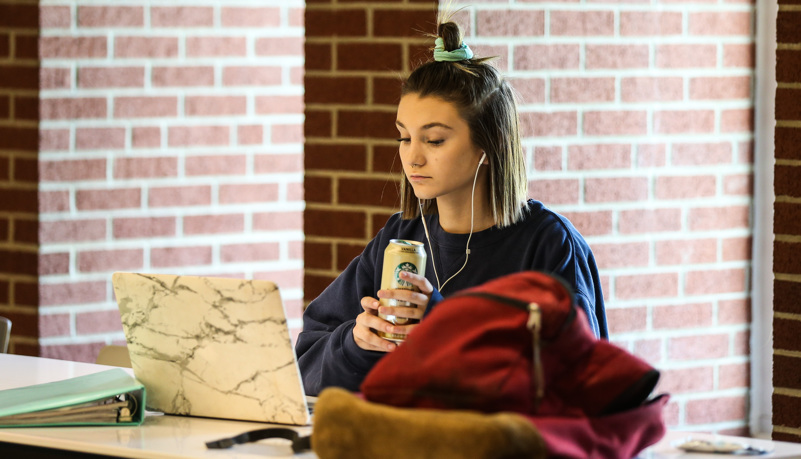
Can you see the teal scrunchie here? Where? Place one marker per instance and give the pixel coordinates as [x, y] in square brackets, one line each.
[461, 53]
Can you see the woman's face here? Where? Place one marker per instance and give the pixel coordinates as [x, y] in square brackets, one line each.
[438, 156]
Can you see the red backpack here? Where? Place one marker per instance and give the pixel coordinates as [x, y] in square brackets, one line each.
[519, 344]
[508, 369]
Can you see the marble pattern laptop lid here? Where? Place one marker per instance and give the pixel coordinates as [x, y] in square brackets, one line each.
[211, 347]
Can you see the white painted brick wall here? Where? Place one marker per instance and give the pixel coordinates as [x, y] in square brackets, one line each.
[639, 129]
[190, 161]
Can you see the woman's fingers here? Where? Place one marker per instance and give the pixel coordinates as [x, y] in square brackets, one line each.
[418, 281]
[368, 321]
[409, 304]
[412, 308]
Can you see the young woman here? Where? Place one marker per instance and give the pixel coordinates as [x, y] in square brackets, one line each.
[463, 195]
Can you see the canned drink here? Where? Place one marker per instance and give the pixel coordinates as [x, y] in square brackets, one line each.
[400, 255]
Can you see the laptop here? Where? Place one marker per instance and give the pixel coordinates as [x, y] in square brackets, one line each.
[212, 347]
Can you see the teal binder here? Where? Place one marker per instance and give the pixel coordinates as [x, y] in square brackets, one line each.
[111, 397]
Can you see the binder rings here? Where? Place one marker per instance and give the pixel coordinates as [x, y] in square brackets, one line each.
[111, 397]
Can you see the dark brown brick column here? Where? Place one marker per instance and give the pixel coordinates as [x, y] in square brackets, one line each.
[355, 56]
[787, 228]
[19, 131]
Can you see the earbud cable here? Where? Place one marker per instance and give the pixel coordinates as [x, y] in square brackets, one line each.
[467, 247]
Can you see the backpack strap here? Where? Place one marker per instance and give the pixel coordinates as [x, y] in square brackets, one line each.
[299, 443]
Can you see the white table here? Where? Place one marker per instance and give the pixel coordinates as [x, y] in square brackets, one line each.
[181, 437]
[665, 449]
[158, 437]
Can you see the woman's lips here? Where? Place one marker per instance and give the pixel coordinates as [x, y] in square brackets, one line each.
[417, 178]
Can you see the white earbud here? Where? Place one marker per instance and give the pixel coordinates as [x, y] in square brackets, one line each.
[483, 157]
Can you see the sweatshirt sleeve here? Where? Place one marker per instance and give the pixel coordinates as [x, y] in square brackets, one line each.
[327, 353]
[562, 251]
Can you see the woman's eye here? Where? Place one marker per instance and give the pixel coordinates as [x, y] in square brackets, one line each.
[435, 142]
[404, 139]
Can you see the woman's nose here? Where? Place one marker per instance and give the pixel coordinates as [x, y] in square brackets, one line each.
[414, 156]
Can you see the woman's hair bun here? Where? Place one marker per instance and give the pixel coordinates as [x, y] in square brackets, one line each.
[451, 35]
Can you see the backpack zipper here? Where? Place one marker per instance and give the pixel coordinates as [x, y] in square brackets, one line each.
[534, 325]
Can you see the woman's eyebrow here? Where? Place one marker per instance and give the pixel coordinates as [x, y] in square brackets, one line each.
[427, 126]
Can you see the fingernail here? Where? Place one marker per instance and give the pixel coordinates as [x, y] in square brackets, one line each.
[390, 346]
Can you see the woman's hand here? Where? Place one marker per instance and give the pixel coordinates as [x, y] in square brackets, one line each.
[368, 321]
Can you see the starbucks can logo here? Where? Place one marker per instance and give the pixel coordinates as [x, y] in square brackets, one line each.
[405, 266]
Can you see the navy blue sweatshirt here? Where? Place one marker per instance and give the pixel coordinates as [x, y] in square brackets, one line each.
[542, 241]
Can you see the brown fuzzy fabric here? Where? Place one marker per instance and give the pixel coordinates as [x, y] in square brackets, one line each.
[345, 426]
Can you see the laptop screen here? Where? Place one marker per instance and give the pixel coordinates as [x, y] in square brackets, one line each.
[215, 347]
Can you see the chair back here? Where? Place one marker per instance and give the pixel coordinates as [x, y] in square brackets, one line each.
[114, 355]
[5, 334]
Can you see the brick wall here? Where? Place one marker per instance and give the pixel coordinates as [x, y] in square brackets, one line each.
[170, 141]
[355, 55]
[787, 209]
[19, 89]
[638, 127]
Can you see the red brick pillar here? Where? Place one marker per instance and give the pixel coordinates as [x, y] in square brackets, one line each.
[19, 119]
[355, 55]
[787, 215]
